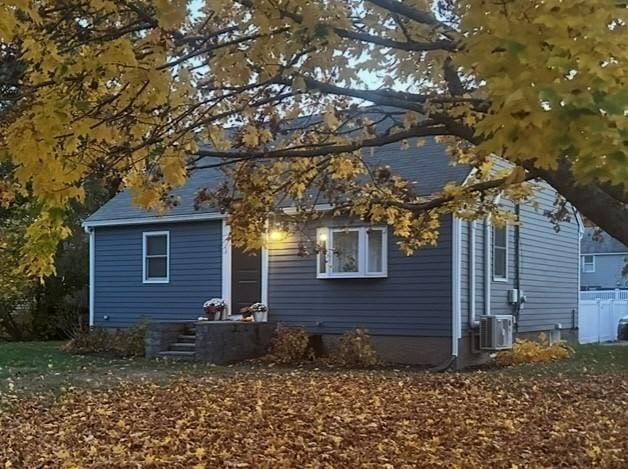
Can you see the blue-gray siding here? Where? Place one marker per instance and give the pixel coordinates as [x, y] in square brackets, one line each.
[195, 273]
[414, 300]
[549, 269]
[609, 272]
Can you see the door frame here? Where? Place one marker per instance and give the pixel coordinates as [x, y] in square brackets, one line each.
[226, 270]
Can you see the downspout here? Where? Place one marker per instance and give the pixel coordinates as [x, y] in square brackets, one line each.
[473, 322]
[455, 298]
[92, 257]
[576, 312]
[518, 267]
[487, 266]
[456, 318]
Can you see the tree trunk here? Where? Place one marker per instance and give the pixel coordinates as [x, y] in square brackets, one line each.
[606, 211]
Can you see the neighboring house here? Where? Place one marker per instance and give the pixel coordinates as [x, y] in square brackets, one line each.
[604, 261]
[419, 309]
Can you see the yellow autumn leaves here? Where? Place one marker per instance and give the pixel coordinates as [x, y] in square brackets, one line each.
[332, 419]
[131, 93]
[556, 78]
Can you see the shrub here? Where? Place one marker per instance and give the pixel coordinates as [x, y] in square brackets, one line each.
[119, 343]
[289, 345]
[355, 350]
[530, 351]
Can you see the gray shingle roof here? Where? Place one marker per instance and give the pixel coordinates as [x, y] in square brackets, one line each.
[426, 167]
[602, 243]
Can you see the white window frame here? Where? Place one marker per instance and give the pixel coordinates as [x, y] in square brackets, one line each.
[145, 278]
[585, 264]
[328, 234]
[496, 278]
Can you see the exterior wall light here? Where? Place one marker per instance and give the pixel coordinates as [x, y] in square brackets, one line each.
[277, 235]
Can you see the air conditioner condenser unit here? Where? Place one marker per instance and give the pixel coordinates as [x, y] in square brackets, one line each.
[496, 332]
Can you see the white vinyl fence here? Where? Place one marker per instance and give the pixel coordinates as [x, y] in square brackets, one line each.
[604, 295]
[598, 319]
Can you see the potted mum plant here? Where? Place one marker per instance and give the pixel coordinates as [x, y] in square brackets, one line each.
[254, 312]
[214, 309]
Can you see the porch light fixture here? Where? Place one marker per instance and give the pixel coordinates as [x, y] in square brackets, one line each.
[277, 235]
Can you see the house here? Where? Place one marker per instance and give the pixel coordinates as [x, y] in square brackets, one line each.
[604, 261]
[421, 309]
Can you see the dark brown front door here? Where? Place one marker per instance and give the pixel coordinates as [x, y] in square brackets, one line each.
[246, 278]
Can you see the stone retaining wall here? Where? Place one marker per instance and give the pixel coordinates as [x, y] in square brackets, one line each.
[224, 342]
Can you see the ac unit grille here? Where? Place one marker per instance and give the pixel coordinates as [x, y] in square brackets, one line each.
[495, 332]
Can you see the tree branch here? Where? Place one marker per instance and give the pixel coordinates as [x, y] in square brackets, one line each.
[410, 45]
[428, 128]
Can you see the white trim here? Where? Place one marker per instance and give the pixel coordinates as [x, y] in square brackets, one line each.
[362, 253]
[583, 264]
[264, 282]
[150, 220]
[488, 265]
[291, 210]
[226, 264]
[505, 277]
[92, 274]
[625, 253]
[456, 316]
[580, 236]
[472, 282]
[147, 234]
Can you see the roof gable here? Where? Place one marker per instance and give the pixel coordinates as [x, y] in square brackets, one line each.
[600, 244]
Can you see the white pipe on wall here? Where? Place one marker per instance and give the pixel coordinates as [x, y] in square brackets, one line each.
[472, 307]
[487, 266]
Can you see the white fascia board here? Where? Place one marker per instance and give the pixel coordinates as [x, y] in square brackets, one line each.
[153, 220]
[625, 253]
[456, 325]
[291, 210]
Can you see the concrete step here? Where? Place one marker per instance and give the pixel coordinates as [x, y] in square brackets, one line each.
[183, 347]
[186, 338]
[175, 355]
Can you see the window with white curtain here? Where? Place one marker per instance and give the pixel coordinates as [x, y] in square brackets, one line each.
[352, 252]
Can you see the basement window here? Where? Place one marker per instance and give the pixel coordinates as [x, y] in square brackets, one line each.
[359, 252]
[156, 257]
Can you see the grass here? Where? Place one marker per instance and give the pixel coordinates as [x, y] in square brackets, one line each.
[41, 366]
[587, 359]
[32, 358]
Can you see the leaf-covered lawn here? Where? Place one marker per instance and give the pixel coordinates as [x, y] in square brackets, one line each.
[326, 419]
[33, 367]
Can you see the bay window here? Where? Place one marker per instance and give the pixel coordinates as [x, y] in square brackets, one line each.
[352, 252]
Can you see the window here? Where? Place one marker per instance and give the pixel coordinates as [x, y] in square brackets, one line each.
[351, 252]
[156, 257]
[588, 264]
[500, 253]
